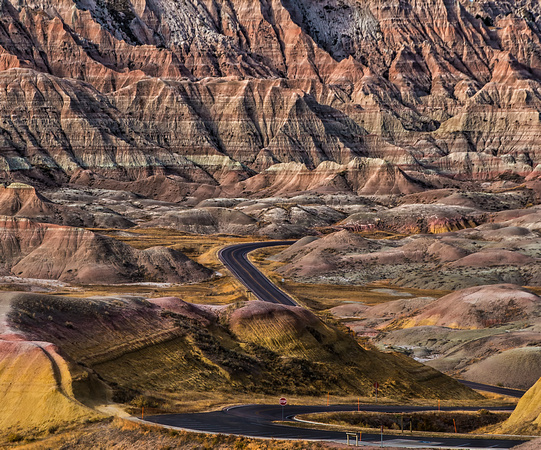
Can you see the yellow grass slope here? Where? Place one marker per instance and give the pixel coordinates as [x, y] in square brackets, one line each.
[168, 346]
[35, 388]
[526, 418]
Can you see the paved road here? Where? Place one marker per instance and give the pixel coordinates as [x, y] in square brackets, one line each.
[257, 421]
[236, 260]
[517, 393]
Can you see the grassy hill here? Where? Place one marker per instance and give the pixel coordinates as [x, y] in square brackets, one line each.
[161, 351]
[526, 418]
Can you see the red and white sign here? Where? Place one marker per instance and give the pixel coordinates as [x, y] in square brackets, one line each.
[376, 385]
[283, 401]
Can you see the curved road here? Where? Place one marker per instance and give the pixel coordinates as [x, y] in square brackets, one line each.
[517, 393]
[235, 258]
[257, 420]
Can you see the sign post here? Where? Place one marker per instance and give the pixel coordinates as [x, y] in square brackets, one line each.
[283, 402]
[376, 387]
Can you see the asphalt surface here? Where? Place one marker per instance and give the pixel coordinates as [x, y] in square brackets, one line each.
[517, 393]
[257, 420]
[235, 258]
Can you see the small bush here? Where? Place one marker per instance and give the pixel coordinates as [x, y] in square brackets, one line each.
[15, 437]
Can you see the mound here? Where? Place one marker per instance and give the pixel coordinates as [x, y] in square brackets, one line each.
[479, 307]
[531, 221]
[486, 201]
[166, 345]
[291, 330]
[349, 310]
[534, 444]
[346, 241]
[311, 256]
[34, 250]
[428, 196]
[443, 251]
[189, 310]
[503, 232]
[292, 250]
[387, 312]
[519, 368]
[419, 218]
[489, 257]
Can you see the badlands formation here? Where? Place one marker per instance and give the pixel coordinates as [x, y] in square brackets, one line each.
[207, 99]
[397, 141]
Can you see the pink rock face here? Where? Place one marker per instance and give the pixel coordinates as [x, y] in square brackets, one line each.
[36, 250]
[205, 97]
[23, 200]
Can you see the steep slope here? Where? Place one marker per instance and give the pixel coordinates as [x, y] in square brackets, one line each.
[20, 199]
[154, 92]
[526, 418]
[166, 345]
[23, 200]
[37, 384]
[34, 250]
[59, 354]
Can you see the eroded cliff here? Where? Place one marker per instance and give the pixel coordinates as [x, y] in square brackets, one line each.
[214, 93]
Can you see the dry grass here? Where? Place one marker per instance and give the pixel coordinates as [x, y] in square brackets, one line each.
[169, 394]
[124, 434]
[324, 296]
[197, 401]
[224, 289]
[534, 289]
[221, 290]
[434, 422]
[202, 248]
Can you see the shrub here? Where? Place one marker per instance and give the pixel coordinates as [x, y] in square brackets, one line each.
[15, 437]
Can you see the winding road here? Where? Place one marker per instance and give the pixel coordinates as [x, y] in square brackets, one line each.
[257, 420]
[235, 258]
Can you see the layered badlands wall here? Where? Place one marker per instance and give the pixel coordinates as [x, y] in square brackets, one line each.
[235, 95]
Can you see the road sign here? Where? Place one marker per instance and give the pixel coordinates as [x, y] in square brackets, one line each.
[283, 401]
[376, 385]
